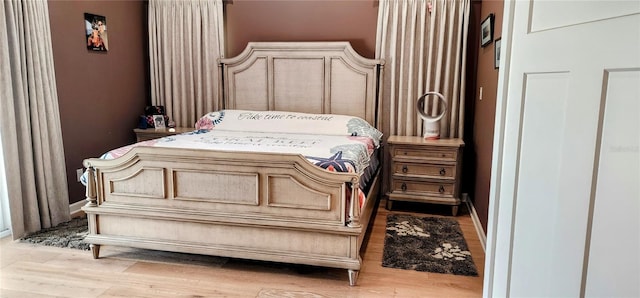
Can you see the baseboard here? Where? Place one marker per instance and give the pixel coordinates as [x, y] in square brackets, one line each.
[476, 222]
[5, 233]
[74, 209]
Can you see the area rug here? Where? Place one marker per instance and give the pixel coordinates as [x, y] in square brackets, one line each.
[68, 234]
[430, 244]
[71, 234]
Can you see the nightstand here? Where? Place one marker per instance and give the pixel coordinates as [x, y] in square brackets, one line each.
[152, 133]
[426, 171]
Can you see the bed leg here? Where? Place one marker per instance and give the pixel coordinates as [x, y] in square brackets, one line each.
[353, 277]
[95, 250]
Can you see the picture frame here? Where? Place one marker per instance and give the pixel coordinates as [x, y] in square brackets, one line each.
[496, 52]
[158, 122]
[486, 30]
[96, 32]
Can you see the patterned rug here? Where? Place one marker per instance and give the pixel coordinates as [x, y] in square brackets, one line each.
[67, 234]
[431, 244]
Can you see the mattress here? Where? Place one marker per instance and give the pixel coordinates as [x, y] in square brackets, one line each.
[349, 154]
[335, 143]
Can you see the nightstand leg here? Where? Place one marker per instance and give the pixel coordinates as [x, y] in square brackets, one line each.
[353, 277]
[389, 204]
[95, 250]
[454, 210]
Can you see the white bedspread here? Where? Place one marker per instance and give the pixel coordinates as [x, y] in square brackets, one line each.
[332, 152]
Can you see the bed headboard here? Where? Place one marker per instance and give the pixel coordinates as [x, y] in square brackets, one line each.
[309, 77]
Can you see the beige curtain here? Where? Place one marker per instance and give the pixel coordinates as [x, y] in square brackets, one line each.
[30, 130]
[185, 43]
[423, 43]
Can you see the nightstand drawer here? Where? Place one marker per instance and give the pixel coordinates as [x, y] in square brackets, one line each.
[427, 153]
[423, 187]
[425, 170]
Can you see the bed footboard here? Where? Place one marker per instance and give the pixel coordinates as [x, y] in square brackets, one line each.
[270, 207]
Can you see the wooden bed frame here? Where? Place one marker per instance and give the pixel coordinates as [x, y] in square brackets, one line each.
[272, 207]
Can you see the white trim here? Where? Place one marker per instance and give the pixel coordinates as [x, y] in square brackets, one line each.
[500, 217]
[74, 209]
[476, 223]
[5, 233]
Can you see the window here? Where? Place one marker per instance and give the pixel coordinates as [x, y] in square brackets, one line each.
[4, 200]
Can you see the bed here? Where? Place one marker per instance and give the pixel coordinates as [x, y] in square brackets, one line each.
[254, 205]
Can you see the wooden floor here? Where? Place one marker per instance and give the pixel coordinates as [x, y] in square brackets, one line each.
[37, 271]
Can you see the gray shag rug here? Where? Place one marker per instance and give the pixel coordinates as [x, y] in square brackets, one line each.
[67, 234]
[71, 234]
[431, 244]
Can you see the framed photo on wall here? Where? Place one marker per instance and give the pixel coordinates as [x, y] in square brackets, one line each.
[496, 50]
[486, 30]
[96, 32]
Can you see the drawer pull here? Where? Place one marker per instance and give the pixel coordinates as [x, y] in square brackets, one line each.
[442, 171]
[403, 186]
[441, 189]
[405, 169]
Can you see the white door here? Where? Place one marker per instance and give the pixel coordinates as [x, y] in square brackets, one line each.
[564, 202]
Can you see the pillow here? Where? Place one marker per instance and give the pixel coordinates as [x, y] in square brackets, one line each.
[288, 122]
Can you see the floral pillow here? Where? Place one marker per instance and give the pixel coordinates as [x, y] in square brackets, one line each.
[210, 120]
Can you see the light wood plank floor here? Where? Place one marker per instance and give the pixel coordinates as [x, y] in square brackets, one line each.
[37, 271]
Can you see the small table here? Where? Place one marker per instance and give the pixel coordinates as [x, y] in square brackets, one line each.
[426, 171]
[153, 133]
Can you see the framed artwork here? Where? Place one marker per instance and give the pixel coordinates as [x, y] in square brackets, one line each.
[486, 30]
[158, 121]
[96, 32]
[496, 50]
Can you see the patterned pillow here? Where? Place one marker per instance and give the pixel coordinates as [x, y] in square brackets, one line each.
[210, 120]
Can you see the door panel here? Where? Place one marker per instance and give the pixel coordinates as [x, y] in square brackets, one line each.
[556, 14]
[613, 259]
[541, 154]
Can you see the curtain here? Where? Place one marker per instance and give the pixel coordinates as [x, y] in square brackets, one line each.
[185, 43]
[423, 43]
[36, 180]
